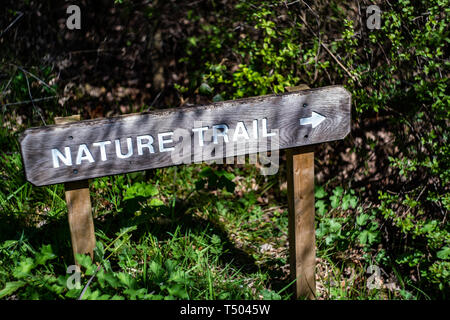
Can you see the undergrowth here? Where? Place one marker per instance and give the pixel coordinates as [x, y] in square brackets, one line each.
[220, 231]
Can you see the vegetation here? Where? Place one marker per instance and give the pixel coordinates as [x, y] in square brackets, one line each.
[220, 231]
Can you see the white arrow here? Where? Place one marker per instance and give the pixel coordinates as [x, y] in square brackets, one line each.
[315, 120]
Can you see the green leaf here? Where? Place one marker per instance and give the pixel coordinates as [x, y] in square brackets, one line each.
[223, 173]
[321, 207]
[338, 191]
[362, 219]
[45, 254]
[372, 237]
[11, 287]
[444, 253]
[99, 250]
[141, 189]
[74, 293]
[353, 202]
[320, 193]
[206, 172]
[91, 295]
[226, 183]
[156, 202]
[126, 230]
[429, 227]
[205, 89]
[270, 295]
[126, 280]
[24, 268]
[335, 226]
[335, 200]
[217, 98]
[192, 41]
[362, 237]
[170, 265]
[367, 237]
[134, 294]
[178, 291]
[348, 201]
[329, 240]
[86, 262]
[156, 269]
[107, 278]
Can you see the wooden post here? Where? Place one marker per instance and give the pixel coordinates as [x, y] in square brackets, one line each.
[302, 241]
[78, 201]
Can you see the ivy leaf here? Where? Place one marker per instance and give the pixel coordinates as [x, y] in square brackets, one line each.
[321, 207]
[349, 201]
[329, 240]
[367, 237]
[320, 193]
[217, 98]
[353, 202]
[372, 237]
[338, 191]
[205, 89]
[335, 226]
[362, 219]
[270, 295]
[362, 237]
[335, 200]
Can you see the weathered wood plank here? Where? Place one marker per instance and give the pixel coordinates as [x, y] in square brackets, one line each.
[289, 120]
[302, 238]
[79, 207]
[301, 203]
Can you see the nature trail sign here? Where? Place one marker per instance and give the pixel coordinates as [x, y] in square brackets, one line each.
[102, 147]
[73, 151]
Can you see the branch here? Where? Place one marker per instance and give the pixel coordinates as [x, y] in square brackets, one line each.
[11, 24]
[331, 53]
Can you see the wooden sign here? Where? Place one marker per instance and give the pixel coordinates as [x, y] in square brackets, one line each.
[109, 146]
[76, 151]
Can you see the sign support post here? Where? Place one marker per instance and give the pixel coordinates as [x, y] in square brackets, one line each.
[79, 207]
[301, 229]
[302, 241]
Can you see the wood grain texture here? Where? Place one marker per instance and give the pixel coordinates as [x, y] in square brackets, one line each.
[301, 207]
[302, 239]
[281, 111]
[79, 207]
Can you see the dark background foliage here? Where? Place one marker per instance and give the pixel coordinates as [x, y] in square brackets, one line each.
[383, 193]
